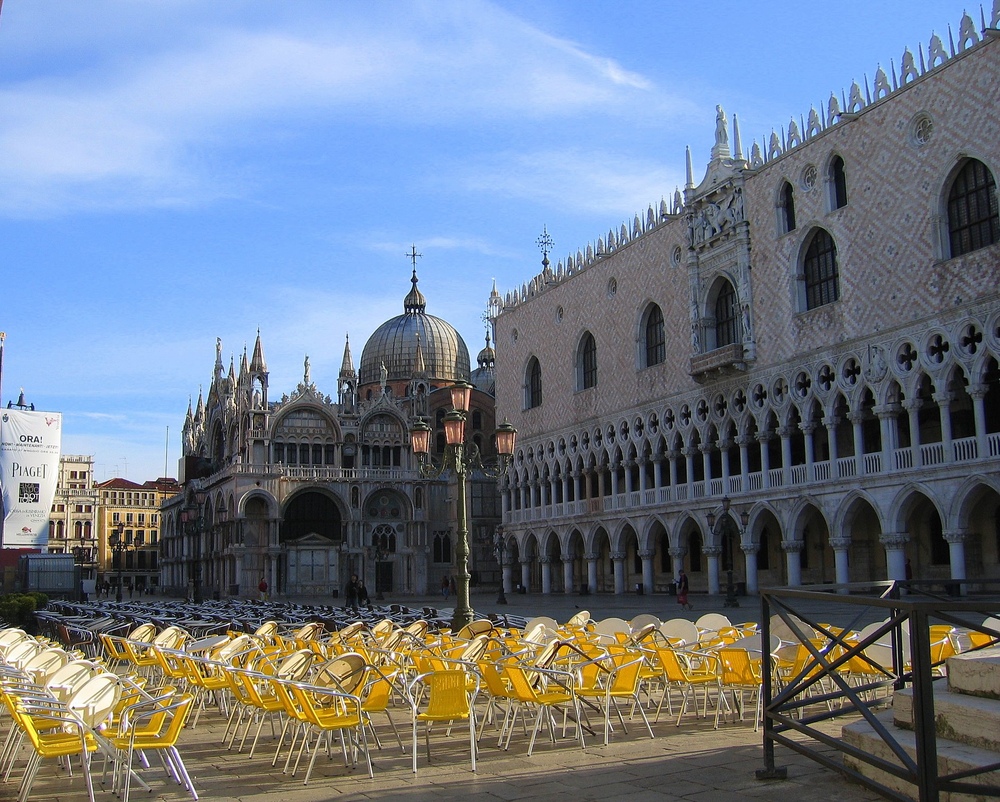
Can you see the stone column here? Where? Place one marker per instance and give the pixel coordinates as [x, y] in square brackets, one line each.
[785, 433]
[577, 486]
[856, 419]
[744, 443]
[956, 553]
[676, 559]
[841, 546]
[724, 446]
[673, 456]
[895, 554]
[526, 573]
[592, 559]
[689, 453]
[546, 562]
[658, 472]
[508, 575]
[793, 563]
[618, 561]
[807, 430]
[567, 566]
[641, 462]
[706, 464]
[713, 552]
[943, 400]
[912, 407]
[648, 583]
[978, 394]
[765, 458]
[886, 418]
[831, 424]
[750, 557]
[615, 486]
[565, 481]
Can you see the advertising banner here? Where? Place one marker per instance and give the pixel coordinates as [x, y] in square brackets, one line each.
[30, 443]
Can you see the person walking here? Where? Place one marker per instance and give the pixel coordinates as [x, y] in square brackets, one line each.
[351, 593]
[262, 587]
[682, 590]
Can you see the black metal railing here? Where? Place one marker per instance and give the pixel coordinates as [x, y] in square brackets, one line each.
[842, 677]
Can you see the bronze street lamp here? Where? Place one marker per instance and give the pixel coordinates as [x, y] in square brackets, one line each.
[120, 543]
[194, 525]
[725, 527]
[461, 457]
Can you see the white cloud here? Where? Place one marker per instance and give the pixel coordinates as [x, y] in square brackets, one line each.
[134, 129]
[577, 180]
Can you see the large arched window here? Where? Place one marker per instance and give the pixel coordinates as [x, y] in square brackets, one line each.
[820, 271]
[973, 222]
[787, 208]
[586, 363]
[838, 184]
[656, 347]
[533, 385]
[726, 319]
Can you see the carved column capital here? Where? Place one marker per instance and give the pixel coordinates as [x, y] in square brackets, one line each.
[894, 540]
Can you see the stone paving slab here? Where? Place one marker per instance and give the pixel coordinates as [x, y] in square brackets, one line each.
[692, 762]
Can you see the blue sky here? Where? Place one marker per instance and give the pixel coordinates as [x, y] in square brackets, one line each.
[177, 171]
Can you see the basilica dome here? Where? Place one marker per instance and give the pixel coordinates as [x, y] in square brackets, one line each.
[414, 343]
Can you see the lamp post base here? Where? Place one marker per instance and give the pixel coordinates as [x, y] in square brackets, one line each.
[501, 596]
[461, 619]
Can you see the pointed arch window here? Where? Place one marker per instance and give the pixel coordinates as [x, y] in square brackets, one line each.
[656, 344]
[533, 385]
[787, 208]
[838, 183]
[973, 220]
[726, 319]
[820, 271]
[587, 363]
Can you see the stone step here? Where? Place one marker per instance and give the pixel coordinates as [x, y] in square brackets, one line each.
[958, 717]
[976, 673]
[952, 757]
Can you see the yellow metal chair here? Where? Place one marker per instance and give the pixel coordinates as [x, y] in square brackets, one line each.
[154, 725]
[450, 696]
[543, 689]
[739, 673]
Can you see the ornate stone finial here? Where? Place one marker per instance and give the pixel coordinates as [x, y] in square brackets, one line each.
[814, 127]
[737, 143]
[908, 68]
[721, 148]
[794, 137]
[690, 168]
[882, 88]
[936, 51]
[756, 159]
[856, 102]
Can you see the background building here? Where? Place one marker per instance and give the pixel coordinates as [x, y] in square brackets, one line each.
[133, 510]
[73, 522]
[809, 334]
[307, 489]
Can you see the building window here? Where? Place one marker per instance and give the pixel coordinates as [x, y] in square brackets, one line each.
[787, 208]
[587, 363]
[820, 271]
[973, 222]
[838, 183]
[725, 316]
[533, 387]
[442, 548]
[656, 348]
